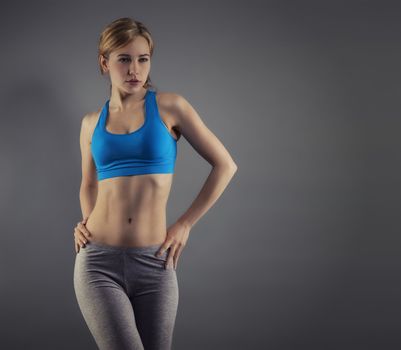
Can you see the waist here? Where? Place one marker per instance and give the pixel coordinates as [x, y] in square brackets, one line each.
[129, 230]
[125, 215]
[133, 206]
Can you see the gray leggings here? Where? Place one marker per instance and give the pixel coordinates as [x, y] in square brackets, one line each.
[128, 299]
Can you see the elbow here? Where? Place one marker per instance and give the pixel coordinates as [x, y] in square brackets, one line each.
[228, 166]
[233, 167]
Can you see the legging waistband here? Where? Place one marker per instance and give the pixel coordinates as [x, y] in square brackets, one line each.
[114, 248]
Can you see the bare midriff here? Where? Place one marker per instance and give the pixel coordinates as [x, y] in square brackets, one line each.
[130, 210]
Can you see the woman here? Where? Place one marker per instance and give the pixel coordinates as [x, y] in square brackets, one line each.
[125, 274]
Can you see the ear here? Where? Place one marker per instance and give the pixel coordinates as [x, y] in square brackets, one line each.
[103, 63]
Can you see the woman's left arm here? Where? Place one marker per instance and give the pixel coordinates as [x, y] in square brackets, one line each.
[202, 139]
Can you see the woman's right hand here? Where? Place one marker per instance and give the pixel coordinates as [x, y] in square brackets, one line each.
[81, 234]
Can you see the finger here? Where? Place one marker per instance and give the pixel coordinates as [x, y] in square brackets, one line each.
[83, 239]
[80, 241]
[176, 256]
[83, 229]
[162, 249]
[80, 236]
[169, 261]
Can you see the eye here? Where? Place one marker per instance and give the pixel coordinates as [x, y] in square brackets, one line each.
[125, 59]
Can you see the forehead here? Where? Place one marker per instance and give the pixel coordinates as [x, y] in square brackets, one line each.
[138, 46]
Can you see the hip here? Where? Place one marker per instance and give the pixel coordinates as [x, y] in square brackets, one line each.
[135, 269]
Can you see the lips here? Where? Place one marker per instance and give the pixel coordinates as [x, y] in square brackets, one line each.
[133, 81]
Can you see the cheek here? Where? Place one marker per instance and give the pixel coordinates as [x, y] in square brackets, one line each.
[118, 73]
[146, 69]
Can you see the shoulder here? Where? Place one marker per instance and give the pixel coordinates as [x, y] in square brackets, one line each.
[184, 116]
[172, 102]
[88, 123]
[89, 119]
[167, 99]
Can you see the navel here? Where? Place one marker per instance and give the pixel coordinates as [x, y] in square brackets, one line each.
[129, 220]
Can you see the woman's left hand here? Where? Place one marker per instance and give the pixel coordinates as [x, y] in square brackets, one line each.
[177, 236]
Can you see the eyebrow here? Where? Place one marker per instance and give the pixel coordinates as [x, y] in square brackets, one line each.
[125, 54]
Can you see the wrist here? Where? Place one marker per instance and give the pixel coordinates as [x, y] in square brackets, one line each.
[185, 223]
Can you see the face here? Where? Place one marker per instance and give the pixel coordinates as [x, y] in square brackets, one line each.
[129, 62]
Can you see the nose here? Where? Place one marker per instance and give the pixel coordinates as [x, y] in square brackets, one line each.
[133, 68]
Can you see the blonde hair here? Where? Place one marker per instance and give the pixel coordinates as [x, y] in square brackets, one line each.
[119, 33]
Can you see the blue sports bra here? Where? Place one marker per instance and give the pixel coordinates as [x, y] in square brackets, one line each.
[150, 149]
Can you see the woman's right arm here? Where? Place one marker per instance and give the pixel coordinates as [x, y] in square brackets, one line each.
[89, 186]
[87, 198]
[88, 189]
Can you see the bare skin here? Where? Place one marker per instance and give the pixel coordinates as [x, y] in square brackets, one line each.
[131, 210]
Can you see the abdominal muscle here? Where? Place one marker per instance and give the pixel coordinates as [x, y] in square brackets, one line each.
[130, 210]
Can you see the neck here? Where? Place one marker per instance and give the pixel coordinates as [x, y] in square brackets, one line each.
[122, 101]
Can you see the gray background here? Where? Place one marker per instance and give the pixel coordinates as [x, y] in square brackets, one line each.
[302, 249]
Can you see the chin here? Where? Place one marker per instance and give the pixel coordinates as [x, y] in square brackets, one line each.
[133, 87]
